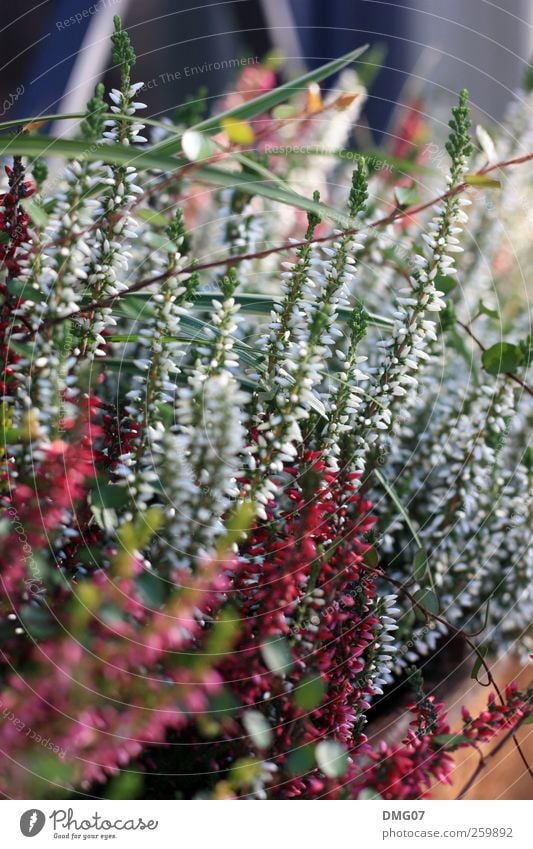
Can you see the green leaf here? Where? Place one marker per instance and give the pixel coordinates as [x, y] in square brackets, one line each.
[331, 758]
[445, 283]
[374, 158]
[38, 622]
[482, 182]
[526, 350]
[196, 146]
[301, 760]
[371, 557]
[420, 565]
[236, 526]
[502, 358]
[127, 785]
[152, 589]
[406, 196]
[258, 728]
[369, 794]
[481, 654]
[308, 695]
[22, 289]
[158, 241]
[109, 496]
[222, 635]
[528, 78]
[428, 599]
[451, 741]
[372, 64]
[20, 122]
[483, 308]
[154, 159]
[37, 214]
[223, 703]
[254, 185]
[244, 772]
[152, 217]
[389, 489]
[276, 655]
[250, 302]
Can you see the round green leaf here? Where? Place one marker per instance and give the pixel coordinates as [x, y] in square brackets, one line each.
[308, 694]
[331, 758]
[258, 728]
[428, 600]
[368, 794]
[277, 656]
[420, 564]
[502, 358]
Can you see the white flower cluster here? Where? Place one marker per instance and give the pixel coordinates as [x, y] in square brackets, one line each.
[205, 458]
[154, 384]
[303, 334]
[470, 496]
[58, 280]
[109, 260]
[384, 647]
[413, 333]
[206, 451]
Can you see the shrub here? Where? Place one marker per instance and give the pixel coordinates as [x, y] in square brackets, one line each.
[240, 503]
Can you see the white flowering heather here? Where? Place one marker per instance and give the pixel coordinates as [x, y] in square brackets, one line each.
[303, 334]
[58, 281]
[505, 582]
[469, 503]
[156, 362]
[109, 260]
[406, 349]
[384, 647]
[348, 395]
[469, 496]
[464, 472]
[209, 441]
[240, 225]
[206, 457]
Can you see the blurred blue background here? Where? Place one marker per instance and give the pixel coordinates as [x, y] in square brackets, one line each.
[53, 52]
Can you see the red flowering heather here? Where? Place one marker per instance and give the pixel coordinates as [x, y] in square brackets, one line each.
[310, 633]
[44, 503]
[14, 244]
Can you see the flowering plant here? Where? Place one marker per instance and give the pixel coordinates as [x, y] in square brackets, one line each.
[240, 503]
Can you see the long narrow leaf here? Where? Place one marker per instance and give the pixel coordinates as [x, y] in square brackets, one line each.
[389, 489]
[255, 303]
[151, 159]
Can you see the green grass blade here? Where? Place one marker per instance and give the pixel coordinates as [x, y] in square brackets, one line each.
[251, 302]
[149, 159]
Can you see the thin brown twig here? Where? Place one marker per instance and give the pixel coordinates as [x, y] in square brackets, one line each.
[229, 261]
[511, 375]
[497, 748]
[429, 615]
[491, 682]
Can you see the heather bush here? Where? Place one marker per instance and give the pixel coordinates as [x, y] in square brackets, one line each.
[264, 460]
